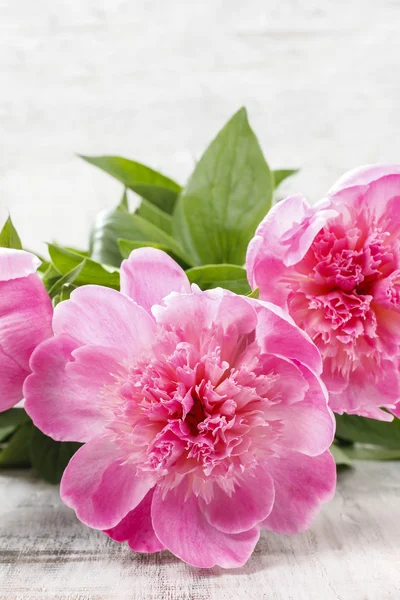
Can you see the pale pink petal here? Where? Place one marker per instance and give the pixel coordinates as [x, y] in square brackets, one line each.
[101, 316]
[236, 312]
[287, 233]
[278, 334]
[15, 264]
[302, 483]
[183, 528]
[365, 396]
[68, 393]
[251, 502]
[12, 377]
[137, 529]
[290, 386]
[363, 176]
[380, 200]
[201, 310]
[101, 485]
[149, 274]
[267, 239]
[25, 317]
[308, 426]
[396, 410]
[267, 275]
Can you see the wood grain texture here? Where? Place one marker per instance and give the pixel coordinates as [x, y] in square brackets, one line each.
[351, 551]
[155, 80]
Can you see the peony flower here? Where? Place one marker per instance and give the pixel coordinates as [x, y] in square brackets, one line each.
[335, 267]
[203, 415]
[25, 320]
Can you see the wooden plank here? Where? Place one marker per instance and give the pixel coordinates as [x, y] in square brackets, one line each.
[350, 553]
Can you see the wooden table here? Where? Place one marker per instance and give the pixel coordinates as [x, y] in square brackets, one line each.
[351, 552]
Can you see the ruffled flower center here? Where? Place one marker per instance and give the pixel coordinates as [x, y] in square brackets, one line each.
[198, 409]
[335, 288]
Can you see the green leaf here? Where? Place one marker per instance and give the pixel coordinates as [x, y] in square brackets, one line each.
[155, 215]
[370, 452]
[9, 237]
[69, 277]
[230, 277]
[123, 206]
[228, 194]
[50, 458]
[109, 227]
[255, 293]
[368, 431]
[340, 456]
[126, 246]
[10, 420]
[146, 182]
[16, 452]
[282, 174]
[91, 272]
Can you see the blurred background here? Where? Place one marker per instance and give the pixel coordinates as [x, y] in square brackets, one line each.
[155, 81]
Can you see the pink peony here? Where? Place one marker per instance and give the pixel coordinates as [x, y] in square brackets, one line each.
[335, 267]
[203, 414]
[25, 320]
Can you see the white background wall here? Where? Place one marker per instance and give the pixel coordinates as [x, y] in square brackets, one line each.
[155, 80]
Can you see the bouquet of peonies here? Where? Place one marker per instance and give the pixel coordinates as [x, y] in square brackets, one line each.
[185, 401]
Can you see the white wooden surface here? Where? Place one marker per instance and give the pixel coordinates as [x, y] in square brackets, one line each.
[155, 80]
[350, 553]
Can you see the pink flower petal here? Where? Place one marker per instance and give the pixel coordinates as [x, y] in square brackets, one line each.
[287, 232]
[64, 395]
[366, 397]
[267, 275]
[101, 316]
[101, 486]
[12, 377]
[308, 426]
[380, 196]
[251, 502]
[278, 334]
[25, 317]
[136, 528]
[363, 176]
[15, 264]
[201, 310]
[302, 483]
[148, 275]
[183, 528]
[306, 429]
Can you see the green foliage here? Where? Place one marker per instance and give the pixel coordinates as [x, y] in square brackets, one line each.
[50, 458]
[79, 269]
[62, 283]
[368, 431]
[156, 216]
[282, 174]
[254, 294]
[340, 456]
[210, 221]
[111, 226]
[23, 445]
[15, 454]
[155, 187]
[226, 197]
[10, 420]
[231, 277]
[9, 237]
